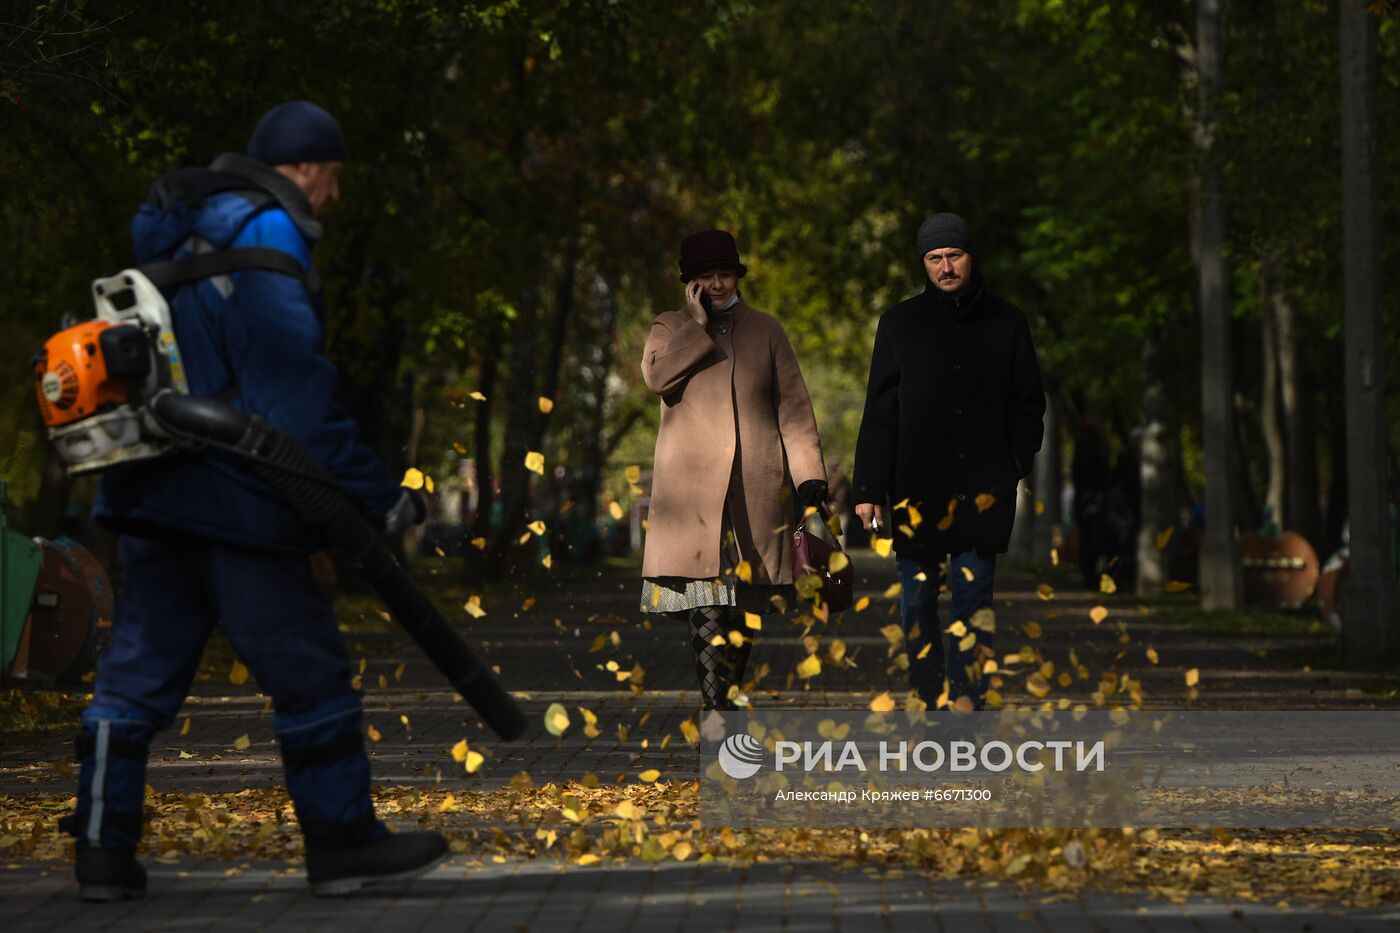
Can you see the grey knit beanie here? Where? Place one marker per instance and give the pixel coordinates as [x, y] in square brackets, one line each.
[944, 231]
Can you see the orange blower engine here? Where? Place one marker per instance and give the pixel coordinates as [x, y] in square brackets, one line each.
[93, 379]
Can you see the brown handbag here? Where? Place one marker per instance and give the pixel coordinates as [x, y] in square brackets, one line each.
[811, 554]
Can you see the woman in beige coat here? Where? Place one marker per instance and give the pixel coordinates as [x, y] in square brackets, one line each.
[737, 431]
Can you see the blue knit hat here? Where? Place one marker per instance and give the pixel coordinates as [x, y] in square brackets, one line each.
[297, 131]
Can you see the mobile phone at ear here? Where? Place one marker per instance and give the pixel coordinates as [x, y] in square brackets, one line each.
[705, 302]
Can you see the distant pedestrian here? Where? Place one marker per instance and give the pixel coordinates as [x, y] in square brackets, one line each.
[953, 420]
[737, 430]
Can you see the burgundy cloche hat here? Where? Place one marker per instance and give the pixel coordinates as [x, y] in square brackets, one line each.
[710, 249]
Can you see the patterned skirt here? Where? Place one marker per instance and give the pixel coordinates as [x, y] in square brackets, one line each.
[679, 595]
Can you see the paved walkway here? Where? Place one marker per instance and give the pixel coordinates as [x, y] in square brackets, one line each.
[557, 650]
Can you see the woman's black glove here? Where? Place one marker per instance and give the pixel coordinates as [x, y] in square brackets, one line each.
[812, 493]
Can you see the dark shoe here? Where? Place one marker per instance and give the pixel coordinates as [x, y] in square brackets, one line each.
[109, 875]
[338, 870]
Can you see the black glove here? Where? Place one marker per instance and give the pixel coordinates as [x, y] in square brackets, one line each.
[411, 509]
[812, 493]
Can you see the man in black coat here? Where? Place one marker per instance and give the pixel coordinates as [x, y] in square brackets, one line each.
[953, 420]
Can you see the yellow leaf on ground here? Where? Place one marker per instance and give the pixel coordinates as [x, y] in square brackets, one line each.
[1045, 591]
[629, 811]
[810, 666]
[615, 510]
[546, 404]
[1193, 677]
[649, 775]
[242, 742]
[985, 501]
[238, 674]
[534, 462]
[448, 803]
[682, 851]
[838, 562]
[883, 703]
[1106, 584]
[1098, 614]
[882, 546]
[556, 719]
[412, 478]
[473, 607]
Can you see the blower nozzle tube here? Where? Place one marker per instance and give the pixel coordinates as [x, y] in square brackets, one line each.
[305, 486]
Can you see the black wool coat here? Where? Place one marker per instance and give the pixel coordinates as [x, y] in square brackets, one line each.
[953, 418]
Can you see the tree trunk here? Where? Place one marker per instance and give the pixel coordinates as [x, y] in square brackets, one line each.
[1301, 502]
[595, 458]
[1158, 488]
[485, 471]
[1219, 563]
[1047, 480]
[1370, 631]
[522, 408]
[1268, 399]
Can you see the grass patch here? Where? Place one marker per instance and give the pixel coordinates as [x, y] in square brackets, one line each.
[27, 716]
[1246, 622]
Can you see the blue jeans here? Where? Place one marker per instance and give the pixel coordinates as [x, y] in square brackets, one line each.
[918, 609]
[174, 591]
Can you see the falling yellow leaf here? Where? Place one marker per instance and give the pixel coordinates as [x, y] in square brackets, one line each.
[957, 629]
[615, 510]
[538, 527]
[547, 561]
[893, 590]
[1193, 677]
[474, 761]
[985, 619]
[1039, 507]
[862, 603]
[185, 729]
[1164, 537]
[242, 742]
[479, 543]
[968, 643]
[448, 803]
[534, 462]
[459, 751]
[556, 719]
[753, 621]
[634, 474]
[1098, 614]
[649, 775]
[810, 666]
[882, 546]
[1176, 586]
[690, 731]
[546, 404]
[744, 571]
[1045, 591]
[915, 519]
[682, 851]
[1032, 629]
[629, 811]
[398, 671]
[1106, 584]
[457, 446]
[383, 682]
[883, 703]
[238, 674]
[1152, 654]
[985, 501]
[473, 607]
[838, 562]
[478, 396]
[412, 478]
[1054, 557]
[967, 573]
[1038, 685]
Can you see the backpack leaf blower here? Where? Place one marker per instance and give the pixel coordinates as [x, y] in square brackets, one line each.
[113, 391]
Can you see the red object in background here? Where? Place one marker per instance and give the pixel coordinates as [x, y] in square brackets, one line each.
[1279, 573]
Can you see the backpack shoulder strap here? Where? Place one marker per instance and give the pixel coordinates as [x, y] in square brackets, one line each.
[169, 275]
[192, 186]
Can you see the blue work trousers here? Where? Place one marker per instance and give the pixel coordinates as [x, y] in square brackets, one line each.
[935, 660]
[174, 591]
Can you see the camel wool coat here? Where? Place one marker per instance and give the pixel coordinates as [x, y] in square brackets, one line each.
[736, 426]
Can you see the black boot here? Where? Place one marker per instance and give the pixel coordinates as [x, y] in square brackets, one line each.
[109, 874]
[339, 870]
